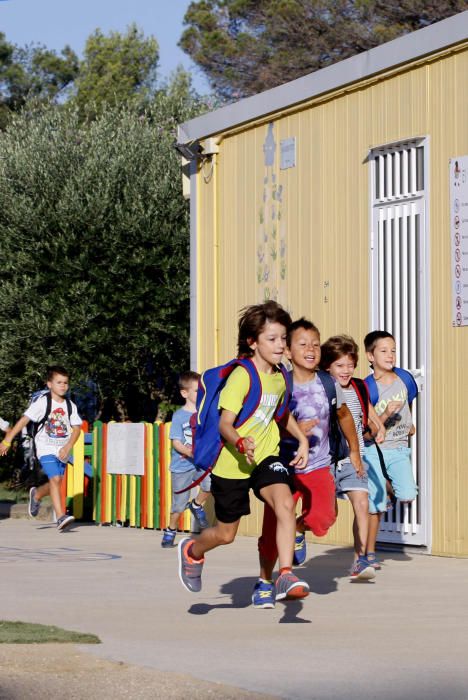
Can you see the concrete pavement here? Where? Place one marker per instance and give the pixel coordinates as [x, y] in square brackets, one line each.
[402, 636]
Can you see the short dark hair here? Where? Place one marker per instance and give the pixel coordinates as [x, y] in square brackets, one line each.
[300, 323]
[52, 370]
[372, 338]
[186, 377]
[253, 320]
[338, 346]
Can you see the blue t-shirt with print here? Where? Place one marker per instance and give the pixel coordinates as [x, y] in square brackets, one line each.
[181, 430]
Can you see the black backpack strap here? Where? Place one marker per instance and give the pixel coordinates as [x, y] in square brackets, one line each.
[39, 424]
[362, 393]
[69, 409]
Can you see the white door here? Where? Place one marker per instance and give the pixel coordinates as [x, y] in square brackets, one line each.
[399, 304]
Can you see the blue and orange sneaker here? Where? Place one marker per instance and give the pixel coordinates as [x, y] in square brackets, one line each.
[373, 561]
[362, 570]
[289, 587]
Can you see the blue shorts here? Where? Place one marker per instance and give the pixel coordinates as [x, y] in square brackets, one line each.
[399, 467]
[346, 479]
[181, 480]
[52, 466]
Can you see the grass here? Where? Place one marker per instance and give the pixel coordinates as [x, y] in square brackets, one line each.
[30, 633]
[8, 495]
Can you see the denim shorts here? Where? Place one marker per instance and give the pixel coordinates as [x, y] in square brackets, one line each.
[346, 478]
[52, 466]
[181, 480]
[399, 468]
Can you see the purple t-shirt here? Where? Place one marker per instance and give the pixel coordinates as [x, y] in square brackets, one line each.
[309, 402]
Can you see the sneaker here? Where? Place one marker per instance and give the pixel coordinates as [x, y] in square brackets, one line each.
[300, 549]
[289, 587]
[263, 595]
[361, 570]
[168, 537]
[34, 506]
[64, 522]
[200, 515]
[373, 561]
[190, 570]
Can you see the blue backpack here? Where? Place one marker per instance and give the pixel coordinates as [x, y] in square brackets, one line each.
[207, 441]
[405, 376]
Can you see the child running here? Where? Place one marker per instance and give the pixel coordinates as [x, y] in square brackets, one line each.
[392, 406]
[310, 405]
[340, 357]
[182, 468]
[58, 428]
[249, 458]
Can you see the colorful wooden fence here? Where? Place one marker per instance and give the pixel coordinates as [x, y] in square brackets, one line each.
[139, 501]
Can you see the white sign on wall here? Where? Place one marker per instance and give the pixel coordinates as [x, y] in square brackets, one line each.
[459, 239]
[288, 153]
[126, 448]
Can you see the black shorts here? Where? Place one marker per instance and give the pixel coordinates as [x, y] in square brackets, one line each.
[231, 496]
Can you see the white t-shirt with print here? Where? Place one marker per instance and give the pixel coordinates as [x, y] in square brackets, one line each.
[57, 428]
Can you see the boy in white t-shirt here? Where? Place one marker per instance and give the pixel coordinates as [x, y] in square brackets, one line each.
[58, 428]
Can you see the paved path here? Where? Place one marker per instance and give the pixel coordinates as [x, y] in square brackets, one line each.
[402, 637]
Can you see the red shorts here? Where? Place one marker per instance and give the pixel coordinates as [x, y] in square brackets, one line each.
[317, 491]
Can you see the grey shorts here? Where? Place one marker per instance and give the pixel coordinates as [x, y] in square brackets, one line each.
[179, 481]
[346, 479]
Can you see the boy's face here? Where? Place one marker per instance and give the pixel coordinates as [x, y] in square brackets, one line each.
[190, 393]
[342, 369]
[270, 345]
[58, 384]
[304, 350]
[383, 356]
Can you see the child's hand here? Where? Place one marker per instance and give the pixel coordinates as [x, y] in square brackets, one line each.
[248, 449]
[302, 455]
[393, 407]
[380, 435]
[412, 430]
[356, 461]
[3, 448]
[63, 454]
[307, 426]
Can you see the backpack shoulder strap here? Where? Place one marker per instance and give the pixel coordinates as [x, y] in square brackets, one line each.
[409, 381]
[329, 386]
[254, 394]
[283, 407]
[372, 389]
[40, 423]
[69, 408]
[362, 393]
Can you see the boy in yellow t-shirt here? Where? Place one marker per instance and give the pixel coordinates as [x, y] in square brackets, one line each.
[249, 458]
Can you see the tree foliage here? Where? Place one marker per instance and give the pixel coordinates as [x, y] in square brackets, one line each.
[246, 46]
[32, 73]
[116, 69]
[94, 248]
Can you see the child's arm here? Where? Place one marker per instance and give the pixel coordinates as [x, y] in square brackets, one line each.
[379, 435]
[11, 434]
[184, 450]
[302, 454]
[349, 431]
[67, 448]
[244, 445]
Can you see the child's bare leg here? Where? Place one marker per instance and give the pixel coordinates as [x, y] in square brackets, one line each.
[55, 497]
[360, 503]
[279, 498]
[42, 491]
[173, 520]
[374, 525]
[201, 497]
[211, 537]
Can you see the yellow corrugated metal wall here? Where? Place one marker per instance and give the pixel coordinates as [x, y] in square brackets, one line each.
[325, 219]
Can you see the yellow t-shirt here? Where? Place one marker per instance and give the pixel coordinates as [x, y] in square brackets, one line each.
[261, 425]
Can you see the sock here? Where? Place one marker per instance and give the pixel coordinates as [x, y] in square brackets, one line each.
[265, 580]
[171, 529]
[285, 570]
[191, 554]
[196, 504]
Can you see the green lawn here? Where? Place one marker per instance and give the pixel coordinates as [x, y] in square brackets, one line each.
[29, 633]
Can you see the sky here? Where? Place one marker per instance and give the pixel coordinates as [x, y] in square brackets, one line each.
[55, 23]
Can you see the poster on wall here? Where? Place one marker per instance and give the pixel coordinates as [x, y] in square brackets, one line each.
[459, 239]
[126, 448]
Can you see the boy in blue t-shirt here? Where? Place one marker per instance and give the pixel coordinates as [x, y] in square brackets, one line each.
[182, 468]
